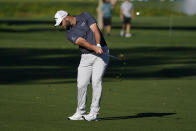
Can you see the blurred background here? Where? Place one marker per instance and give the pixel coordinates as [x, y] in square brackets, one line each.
[154, 81]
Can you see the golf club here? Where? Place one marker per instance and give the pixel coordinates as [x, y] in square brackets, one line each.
[114, 57]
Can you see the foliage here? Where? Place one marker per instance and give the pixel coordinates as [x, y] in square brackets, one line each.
[47, 9]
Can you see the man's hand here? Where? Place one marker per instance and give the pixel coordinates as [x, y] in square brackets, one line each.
[82, 42]
[98, 50]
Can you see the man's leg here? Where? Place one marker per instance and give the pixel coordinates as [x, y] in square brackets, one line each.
[108, 29]
[128, 34]
[127, 28]
[83, 79]
[122, 32]
[97, 73]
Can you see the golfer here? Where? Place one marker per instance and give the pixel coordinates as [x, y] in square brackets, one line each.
[82, 30]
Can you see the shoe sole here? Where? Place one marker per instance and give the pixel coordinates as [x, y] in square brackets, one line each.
[88, 120]
[75, 120]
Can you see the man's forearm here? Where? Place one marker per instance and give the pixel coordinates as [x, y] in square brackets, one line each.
[133, 14]
[97, 37]
[82, 42]
[96, 32]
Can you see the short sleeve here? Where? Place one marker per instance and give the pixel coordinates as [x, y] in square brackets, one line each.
[89, 18]
[72, 37]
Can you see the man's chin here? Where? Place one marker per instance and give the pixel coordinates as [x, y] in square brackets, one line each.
[67, 27]
[64, 27]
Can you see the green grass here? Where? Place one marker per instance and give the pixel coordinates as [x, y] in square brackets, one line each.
[152, 89]
[44, 9]
[47, 8]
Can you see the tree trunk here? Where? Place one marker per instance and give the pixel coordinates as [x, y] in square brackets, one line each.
[99, 15]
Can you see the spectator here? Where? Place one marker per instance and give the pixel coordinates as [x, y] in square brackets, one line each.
[127, 14]
[107, 15]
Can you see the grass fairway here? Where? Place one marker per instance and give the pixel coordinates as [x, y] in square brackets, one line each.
[152, 89]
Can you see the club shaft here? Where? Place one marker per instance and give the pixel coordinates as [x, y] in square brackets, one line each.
[114, 57]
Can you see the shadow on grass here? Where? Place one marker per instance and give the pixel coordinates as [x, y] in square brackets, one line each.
[45, 29]
[116, 25]
[20, 65]
[139, 115]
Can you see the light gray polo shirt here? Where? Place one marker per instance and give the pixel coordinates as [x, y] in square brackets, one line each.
[126, 8]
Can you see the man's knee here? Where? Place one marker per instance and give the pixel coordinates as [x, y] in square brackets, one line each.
[96, 82]
[82, 84]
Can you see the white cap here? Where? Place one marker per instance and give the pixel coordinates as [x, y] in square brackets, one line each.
[59, 16]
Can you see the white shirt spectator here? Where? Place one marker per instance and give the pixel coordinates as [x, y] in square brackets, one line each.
[126, 8]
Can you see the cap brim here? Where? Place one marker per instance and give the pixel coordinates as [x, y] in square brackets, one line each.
[58, 22]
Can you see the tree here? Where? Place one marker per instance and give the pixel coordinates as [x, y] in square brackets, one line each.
[99, 15]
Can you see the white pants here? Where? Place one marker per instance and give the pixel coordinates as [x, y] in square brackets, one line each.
[91, 67]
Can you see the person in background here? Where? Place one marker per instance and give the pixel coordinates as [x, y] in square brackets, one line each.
[127, 14]
[106, 11]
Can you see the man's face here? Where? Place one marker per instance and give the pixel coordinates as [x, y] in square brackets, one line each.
[66, 24]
